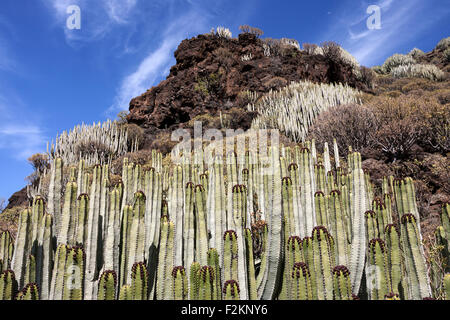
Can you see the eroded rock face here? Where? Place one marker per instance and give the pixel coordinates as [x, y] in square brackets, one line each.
[18, 199]
[210, 74]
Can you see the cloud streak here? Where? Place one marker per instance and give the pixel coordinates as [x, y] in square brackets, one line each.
[19, 136]
[98, 18]
[158, 61]
[401, 21]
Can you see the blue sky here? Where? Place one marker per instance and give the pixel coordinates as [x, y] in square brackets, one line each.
[53, 78]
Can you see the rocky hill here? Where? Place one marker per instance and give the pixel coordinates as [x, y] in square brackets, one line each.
[211, 73]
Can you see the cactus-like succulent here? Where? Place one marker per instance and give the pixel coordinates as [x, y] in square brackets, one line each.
[415, 264]
[341, 283]
[301, 282]
[180, 287]
[231, 290]
[29, 292]
[377, 270]
[107, 285]
[8, 285]
[139, 281]
[299, 227]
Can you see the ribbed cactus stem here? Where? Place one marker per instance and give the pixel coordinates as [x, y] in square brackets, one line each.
[323, 262]
[137, 232]
[165, 260]
[297, 201]
[74, 274]
[66, 234]
[54, 192]
[214, 262]
[30, 270]
[59, 269]
[230, 255]
[206, 283]
[392, 296]
[231, 290]
[252, 288]
[18, 264]
[125, 266]
[139, 281]
[416, 268]
[6, 250]
[274, 219]
[447, 286]
[216, 208]
[321, 205]
[201, 225]
[342, 284]
[293, 254]
[239, 204]
[194, 281]
[288, 210]
[377, 270]
[359, 206]
[176, 201]
[301, 282]
[307, 190]
[371, 225]
[180, 287]
[189, 226]
[339, 228]
[107, 285]
[93, 235]
[30, 292]
[394, 256]
[8, 285]
[82, 213]
[126, 292]
[111, 239]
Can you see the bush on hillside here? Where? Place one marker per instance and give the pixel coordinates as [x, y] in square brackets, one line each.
[389, 126]
[351, 125]
[416, 53]
[427, 71]
[443, 44]
[395, 61]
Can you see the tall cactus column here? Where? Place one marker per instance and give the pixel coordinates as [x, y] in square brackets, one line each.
[274, 248]
[176, 201]
[359, 206]
[92, 236]
[201, 236]
[21, 249]
[416, 268]
[166, 258]
[54, 192]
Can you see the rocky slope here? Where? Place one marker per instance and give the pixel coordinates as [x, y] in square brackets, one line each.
[210, 75]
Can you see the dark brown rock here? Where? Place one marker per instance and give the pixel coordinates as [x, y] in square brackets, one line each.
[209, 75]
[18, 199]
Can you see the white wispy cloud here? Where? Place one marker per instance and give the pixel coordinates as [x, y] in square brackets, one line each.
[401, 21]
[20, 137]
[6, 62]
[158, 61]
[98, 18]
[119, 10]
[21, 140]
